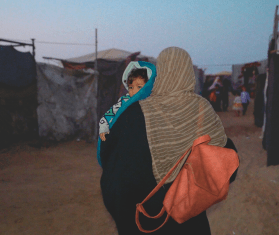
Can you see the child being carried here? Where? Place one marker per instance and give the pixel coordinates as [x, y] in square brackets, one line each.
[136, 79]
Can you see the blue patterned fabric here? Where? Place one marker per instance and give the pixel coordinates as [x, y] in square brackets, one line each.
[110, 114]
[142, 94]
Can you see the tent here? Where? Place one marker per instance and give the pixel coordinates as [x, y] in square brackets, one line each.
[66, 103]
[18, 95]
[112, 55]
[237, 71]
[271, 125]
[17, 68]
[224, 73]
[107, 89]
[200, 77]
[118, 55]
[61, 117]
[259, 100]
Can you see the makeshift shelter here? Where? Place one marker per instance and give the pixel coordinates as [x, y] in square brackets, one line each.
[111, 55]
[111, 65]
[271, 124]
[107, 89]
[117, 55]
[240, 71]
[18, 95]
[72, 101]
[66, 103]
[259, 100]
[271, 137]
[223, 73]
[200, 77]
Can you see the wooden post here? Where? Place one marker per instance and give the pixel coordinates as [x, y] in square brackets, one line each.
[95, 88]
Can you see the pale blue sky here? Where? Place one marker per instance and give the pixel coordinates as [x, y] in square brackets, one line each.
[213, 32]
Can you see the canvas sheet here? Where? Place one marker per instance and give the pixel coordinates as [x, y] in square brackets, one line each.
[16, 68]
[66, 103]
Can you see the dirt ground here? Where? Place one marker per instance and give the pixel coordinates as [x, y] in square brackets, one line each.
[54, 189]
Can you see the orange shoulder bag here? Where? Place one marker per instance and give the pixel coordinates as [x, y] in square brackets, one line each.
[202, 182]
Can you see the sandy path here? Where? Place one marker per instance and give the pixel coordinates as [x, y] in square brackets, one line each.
[55, 189]
[252, 206]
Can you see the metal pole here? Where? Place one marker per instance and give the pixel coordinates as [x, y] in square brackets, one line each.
[96, 53]
[33, 46]
[95, 88]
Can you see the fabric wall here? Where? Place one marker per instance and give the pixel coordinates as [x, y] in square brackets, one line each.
[64, 110]
[67, 103]
[236, 72]
[199, 74]
[259, 100]
[271, 137]
[16, 68]
[18, 117]
[18, 96]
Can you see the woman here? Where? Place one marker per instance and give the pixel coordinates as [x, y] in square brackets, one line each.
[148, 139]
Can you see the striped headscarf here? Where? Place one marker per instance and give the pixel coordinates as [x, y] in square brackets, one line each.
[175, 116]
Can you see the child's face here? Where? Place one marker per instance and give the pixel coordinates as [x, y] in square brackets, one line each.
[137, 84]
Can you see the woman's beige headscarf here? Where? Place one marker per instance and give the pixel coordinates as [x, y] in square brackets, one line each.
[175, 116]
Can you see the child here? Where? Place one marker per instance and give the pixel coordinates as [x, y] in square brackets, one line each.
[133, 79]
[237, 104]
[245, 98]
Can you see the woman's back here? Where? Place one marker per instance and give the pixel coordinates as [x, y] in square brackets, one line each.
[148, 139]
[127, 179]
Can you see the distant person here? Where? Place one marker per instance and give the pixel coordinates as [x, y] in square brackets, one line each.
[215, 94]
[213, 98]
[225, 94]
[205, 90]
[134, 78]
[217, 81]
[218, 93]
[245, 99]
[237, 104]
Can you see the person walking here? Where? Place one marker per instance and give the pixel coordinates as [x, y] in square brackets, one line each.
[147, 140]
[245, 99]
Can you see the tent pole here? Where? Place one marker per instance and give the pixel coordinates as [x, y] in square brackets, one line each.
[33, 47]
[96, 128]
[96, 42]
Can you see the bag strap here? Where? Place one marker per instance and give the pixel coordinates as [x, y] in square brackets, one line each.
[150, 231]
[202, 139]
[139, 206]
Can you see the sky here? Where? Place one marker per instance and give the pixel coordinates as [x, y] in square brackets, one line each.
[215, 33]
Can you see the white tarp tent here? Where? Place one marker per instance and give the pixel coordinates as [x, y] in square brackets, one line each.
[67, 103]
[120, 55]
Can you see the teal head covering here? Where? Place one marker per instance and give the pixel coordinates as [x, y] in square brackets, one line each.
[142, 94]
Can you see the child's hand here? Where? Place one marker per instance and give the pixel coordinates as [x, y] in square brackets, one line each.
[102, 136]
